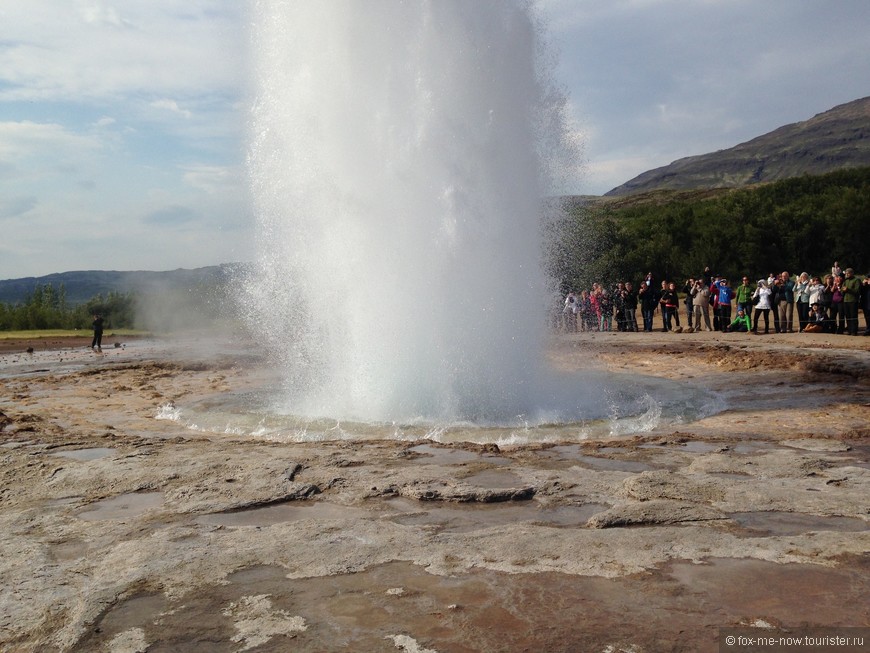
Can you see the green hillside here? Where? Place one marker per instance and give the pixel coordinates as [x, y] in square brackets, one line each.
[833, 140]
[800, 224]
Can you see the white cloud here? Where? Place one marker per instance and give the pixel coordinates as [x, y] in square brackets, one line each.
[101, 14]
[62, 51]
[25, 142]
[171, 105]
[213, 179]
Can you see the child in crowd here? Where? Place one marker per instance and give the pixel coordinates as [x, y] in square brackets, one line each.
[816, 319]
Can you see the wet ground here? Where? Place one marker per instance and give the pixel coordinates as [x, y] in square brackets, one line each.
[679, 607]
[126, 533]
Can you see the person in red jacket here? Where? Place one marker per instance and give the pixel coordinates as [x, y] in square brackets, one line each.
[670, 304]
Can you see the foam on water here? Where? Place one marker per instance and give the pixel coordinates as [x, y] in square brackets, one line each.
[576, 407]
[397, 169]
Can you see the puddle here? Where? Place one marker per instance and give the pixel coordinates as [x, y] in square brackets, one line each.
[494, 479]
[753, 447]
[791, 594]
[447, 456]
[93, 453]
[611, 465]
[694, 446]
[123, 506]
[563, 452]
[142, 612]
[69, 550]
[858, 456]
[678, 607]
[443, 456]
[468, 517]
[284, 512]
[575, 453]
[257, 575]
[794, 523]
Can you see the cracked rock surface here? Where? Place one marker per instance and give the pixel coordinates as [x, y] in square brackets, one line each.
[120, 531]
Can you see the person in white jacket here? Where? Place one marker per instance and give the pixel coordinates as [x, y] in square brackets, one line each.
[761, 299]
[802, 299]
[814, 290]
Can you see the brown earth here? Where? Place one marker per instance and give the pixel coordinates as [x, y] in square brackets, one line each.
[57, 343]
[126, 533]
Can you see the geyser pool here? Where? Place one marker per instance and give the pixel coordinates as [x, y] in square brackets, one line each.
[570, 408]
[397, 166]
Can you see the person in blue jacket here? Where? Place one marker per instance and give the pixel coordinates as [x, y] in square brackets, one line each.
[725, 295]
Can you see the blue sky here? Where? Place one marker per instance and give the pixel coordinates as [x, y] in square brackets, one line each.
[123, 123]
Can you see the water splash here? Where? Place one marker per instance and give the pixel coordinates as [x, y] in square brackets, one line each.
[397, 163]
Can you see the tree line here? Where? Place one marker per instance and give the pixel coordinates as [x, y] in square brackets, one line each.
[167, 309]
[46, 307]
[800, 224]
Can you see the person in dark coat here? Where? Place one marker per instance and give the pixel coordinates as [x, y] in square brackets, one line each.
[97, 342]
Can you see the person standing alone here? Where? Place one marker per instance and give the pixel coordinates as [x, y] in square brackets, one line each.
[97, 342]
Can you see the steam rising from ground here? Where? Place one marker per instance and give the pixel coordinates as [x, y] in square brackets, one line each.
[200, 300]
[397, 164]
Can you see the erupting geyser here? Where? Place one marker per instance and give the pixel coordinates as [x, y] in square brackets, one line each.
[398, 169]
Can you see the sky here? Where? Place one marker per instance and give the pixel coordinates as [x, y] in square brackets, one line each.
[123, 123]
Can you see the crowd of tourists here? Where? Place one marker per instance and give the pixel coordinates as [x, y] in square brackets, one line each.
[781, 302]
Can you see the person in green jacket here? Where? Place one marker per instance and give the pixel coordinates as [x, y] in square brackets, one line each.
[743, 296]
[740, 323]
[851, 289]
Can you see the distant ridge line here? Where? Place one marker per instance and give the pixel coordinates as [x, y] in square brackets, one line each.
[835, 139]
[83, 285]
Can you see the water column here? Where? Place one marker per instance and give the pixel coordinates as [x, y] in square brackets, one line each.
[396, 168]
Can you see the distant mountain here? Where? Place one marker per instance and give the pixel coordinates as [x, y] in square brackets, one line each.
[84, 285]
[835, 139]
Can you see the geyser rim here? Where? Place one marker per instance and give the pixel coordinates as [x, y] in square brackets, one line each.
[680, 405]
